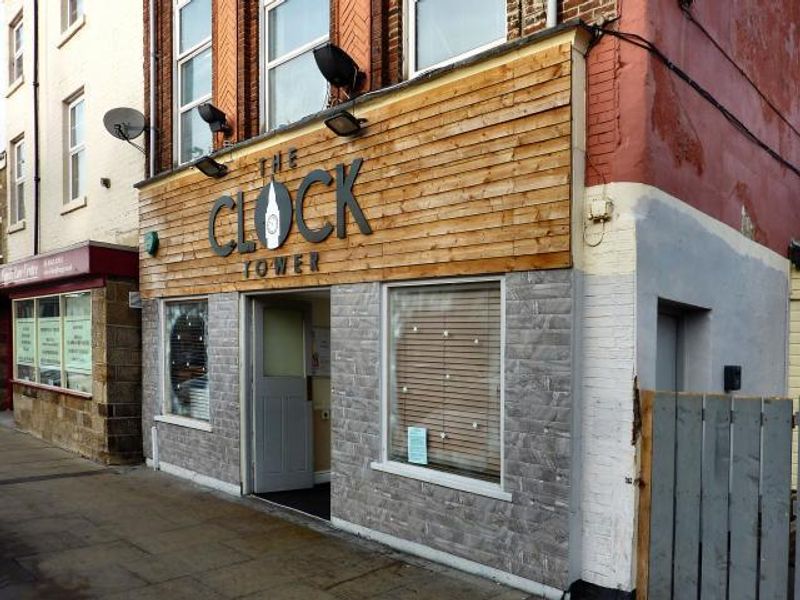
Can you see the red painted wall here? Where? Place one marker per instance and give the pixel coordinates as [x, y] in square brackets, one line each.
[648, 126]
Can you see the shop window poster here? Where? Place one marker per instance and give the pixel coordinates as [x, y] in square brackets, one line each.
[78, 343]
[25, 341]
[320, 352]
[50, 342]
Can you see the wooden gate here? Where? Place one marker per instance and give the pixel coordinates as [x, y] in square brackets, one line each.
[715, 497]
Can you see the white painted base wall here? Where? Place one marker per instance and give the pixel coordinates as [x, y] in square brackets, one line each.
[656, 246]
[198, 478]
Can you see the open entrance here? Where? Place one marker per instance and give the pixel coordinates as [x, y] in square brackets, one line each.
[291, 390]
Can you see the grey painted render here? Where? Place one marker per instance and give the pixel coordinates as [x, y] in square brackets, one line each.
[527, 537]
[743, 286]
[215, 453]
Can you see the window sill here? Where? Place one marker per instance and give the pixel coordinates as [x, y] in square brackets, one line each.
[18, 226]
[13, 87]
[52, 388]
[183, 422]
[71, 31]
[73, 205]
[448, 480]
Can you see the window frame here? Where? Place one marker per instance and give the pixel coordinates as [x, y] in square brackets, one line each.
[61, 303]
[267, 65]
[410, 46]
[79, 13]
[423, 473]
[73, 150]
[179, 59]
[15, 52]
[166, 415]
[17, 183]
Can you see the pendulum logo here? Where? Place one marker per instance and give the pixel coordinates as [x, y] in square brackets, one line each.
[273, 215]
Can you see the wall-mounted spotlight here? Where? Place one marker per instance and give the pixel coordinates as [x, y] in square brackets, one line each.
[216, 119]
[338, 68]
[210, 168]
[794, 253]
[344, 124]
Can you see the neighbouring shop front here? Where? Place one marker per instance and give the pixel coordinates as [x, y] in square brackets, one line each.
[379, 330]
[75, 347]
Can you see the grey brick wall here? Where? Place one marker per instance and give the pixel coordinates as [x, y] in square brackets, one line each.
[215, 453]
[528, 536]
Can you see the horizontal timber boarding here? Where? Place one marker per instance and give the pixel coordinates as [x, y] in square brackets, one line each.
[465, 176]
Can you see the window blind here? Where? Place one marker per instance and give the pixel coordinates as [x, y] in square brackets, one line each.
[187, 358]
[444, 375]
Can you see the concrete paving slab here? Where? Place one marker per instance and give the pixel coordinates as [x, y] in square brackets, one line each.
[131, 533]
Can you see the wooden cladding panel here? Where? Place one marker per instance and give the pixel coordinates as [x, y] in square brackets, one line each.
[460, 176]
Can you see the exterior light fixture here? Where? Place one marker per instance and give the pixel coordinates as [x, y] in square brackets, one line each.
[344, 124]
[216, 119]
[210, 168]
[338, 68]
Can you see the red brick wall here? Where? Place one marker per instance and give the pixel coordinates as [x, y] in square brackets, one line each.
[163, 100]
[528, 16]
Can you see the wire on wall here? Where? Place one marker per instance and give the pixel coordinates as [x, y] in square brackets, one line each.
[640, 42]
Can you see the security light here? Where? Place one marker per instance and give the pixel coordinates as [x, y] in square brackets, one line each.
[216, 119]
[344, 124]
[210, 168]
[338, 68]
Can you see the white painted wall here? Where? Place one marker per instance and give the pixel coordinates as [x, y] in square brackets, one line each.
[656, 246]
[104, 57]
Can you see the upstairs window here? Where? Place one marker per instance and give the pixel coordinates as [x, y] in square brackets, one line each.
[76, 150]
[15, 51]
[443, 31]
[17, 187]
[72, 11]
[294, 86]
[193, 68]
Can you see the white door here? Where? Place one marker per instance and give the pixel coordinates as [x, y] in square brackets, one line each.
[283, 423]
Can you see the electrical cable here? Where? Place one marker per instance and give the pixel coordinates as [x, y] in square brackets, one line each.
[637, 40]
[741, 71]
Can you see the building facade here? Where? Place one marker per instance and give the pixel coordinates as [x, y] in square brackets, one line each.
[447, 316]
[71, 225]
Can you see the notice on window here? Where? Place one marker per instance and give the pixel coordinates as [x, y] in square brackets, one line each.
[50, 342]
[25, 341]
[320, 352]
[78, 344]
[418, 445]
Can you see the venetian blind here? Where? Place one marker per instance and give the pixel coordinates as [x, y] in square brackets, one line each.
[187, 358]
[444, 375]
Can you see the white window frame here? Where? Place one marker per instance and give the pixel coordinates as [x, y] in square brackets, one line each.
[421, 473]
[73, 150]
[179, 60]
[61, 388]
[268, 65]
[410, 46]
[78, 13]
[16, 52]
[17, 182]
[167, 416]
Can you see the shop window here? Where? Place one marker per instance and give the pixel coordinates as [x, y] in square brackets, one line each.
[15, 45]
[193, 73]
[16, 207]
[442, 31]
[53, 341]
[294, 86]
[76, 150]
[443, 373]
[186, 336]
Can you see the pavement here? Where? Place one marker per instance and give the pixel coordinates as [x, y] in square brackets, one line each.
[72, 529]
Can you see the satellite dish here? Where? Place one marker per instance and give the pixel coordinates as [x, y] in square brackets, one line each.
[124, 123]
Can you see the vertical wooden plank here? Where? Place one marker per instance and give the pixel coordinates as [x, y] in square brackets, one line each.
[745, 459]
[775, 498]
[795, 479]
[716, 473]
[662, 497]
[688, 449]
[646, 399]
